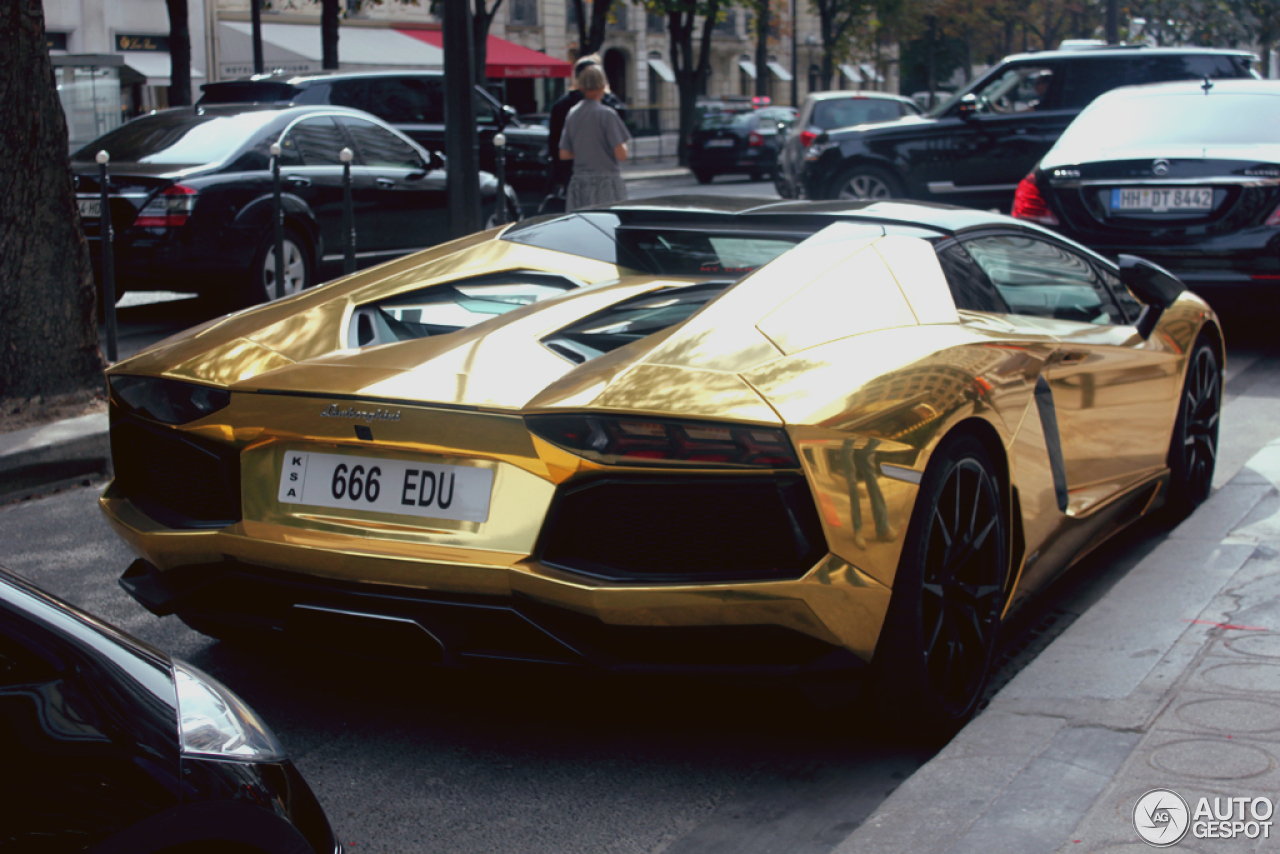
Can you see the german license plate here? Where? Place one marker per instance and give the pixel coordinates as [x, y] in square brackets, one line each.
[90, 208]
[1162, 199]
[719, 143]
[399, 487]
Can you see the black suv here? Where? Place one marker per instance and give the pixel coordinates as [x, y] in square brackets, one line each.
[410, 101]
[976, 147]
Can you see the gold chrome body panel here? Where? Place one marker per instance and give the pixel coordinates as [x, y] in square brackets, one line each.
[865, 397]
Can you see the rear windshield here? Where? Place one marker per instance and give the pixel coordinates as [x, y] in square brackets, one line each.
[181, 137]
[711, 248]
[1171, 119]
[853, 111]
[248, 92]
[715, 121]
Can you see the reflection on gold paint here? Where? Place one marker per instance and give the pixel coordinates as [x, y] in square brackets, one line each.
[230, 363]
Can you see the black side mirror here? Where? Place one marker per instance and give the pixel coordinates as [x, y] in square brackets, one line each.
[968, 107]
[1153, 285]
[435, 160]
[507, 116]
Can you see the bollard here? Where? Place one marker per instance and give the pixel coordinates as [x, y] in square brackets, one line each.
[500, 167]
[107, 235]
[277, 215]
[348, 215]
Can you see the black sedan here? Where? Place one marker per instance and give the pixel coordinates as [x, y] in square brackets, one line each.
[1185, 174]
[741, 143]
[112, 746]
[191, 197]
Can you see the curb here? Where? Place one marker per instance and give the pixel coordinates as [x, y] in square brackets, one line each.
[45, 458]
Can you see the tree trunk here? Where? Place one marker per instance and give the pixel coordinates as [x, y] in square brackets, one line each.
[49, 333]
[328, 34]
[599, 23]
[762, 49]
[179, 54]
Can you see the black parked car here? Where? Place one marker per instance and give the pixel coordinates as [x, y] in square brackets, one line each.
[410, 101]
[824, 111]
[973, 149]
[1185, 174]
[192, 195]
[737, 142]
[112, 746]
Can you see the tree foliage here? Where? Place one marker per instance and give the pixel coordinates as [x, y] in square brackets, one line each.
[591, 30]
[48, 330]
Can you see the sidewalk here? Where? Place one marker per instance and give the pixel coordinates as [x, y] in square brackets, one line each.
[1171, 681]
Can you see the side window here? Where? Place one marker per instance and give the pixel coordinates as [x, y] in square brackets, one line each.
[970, 288]
[351, 93]
[1132, 308]
[316, 142]
[379, 147]
[1019, 89]
[1043, 279]
[400, 100]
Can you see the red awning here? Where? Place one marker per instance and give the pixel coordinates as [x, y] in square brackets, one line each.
[504, 58]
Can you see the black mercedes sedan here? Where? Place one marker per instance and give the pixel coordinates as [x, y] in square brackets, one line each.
[1185, 174]
[112, 746]
[192, 194]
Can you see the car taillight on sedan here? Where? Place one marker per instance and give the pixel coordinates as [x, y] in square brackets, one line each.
[807, 137]
[1029, 204]
[754, 139]
[170, 209]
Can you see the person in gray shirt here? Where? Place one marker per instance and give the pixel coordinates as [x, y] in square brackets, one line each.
[595, 139]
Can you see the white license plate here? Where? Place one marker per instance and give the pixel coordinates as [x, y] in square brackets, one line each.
[399, 487]
[90, 208]
[1162, 199]
[718, 143]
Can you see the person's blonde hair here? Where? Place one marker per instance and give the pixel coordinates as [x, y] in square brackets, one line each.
[592, 78]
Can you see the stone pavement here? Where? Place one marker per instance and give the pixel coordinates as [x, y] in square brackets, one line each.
[1171, 681]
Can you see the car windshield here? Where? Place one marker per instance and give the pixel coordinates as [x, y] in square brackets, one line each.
[179, 137]
[715, 121]
[1170, 119]
[843, 112]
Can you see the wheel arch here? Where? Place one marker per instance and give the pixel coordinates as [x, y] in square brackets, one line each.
[860, 159]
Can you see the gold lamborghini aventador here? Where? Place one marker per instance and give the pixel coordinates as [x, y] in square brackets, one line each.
[688, 435]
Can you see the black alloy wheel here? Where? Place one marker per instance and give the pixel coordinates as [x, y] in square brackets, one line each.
[1193, 451]
[936, 646]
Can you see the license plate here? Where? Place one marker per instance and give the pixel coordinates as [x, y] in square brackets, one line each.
[90, 208]
[1162, 199]
[386, 486]
[718, 143]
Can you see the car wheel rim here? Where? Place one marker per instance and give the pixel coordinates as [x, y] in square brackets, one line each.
[1200, 415]
[865, 187]
[962, 585]
[295, 270]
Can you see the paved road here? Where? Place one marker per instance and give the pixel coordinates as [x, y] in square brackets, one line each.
[416, 760]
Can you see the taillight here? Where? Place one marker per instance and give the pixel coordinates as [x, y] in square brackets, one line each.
[1274, 220]
[1029, 204]
[754, 139]
[617, 440]
[807, 137]
[170, 209]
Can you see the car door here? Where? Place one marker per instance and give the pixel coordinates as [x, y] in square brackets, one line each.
[1014, 120]
[410, 198]
[1112, 392]
[311, 169]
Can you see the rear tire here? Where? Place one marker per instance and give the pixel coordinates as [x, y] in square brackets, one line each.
[1193, 450]
[703, 176]
[935, 649]
[867, 184]
[299, 269]
[781, 186]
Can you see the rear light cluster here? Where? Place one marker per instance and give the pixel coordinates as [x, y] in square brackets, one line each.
[647, 441]
[1029, 204]
[1273, 221]
[170, 209]
[807, 137]
[754, 139]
